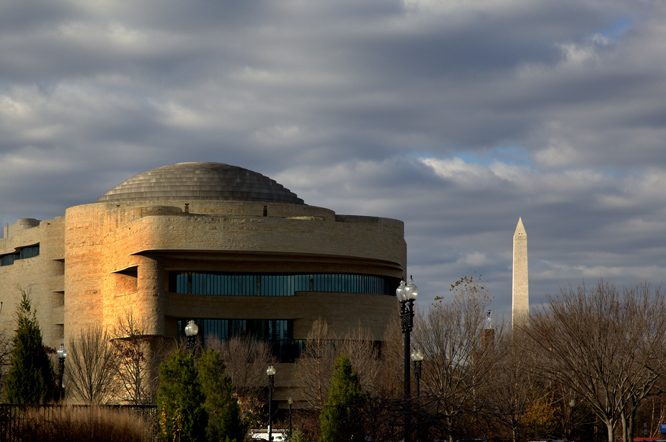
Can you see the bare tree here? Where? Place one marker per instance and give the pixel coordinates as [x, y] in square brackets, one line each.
[513, 389]
[363, 353]
[246, 360]
[391, 358]
[315, 367]
[91, 366]
[5, 351]
[605, 345]
[647, 349]
[132, 360]
[456, 362]
[375, 363]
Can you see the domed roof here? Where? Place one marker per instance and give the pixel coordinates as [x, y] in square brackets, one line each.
[200, 181]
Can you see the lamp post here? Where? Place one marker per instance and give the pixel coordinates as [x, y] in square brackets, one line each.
[291, 402]
[417, 359]
[406, 294]
[270, 371]
[62, 354]
[191, 330]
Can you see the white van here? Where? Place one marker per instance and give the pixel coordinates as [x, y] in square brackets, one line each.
[278, 435]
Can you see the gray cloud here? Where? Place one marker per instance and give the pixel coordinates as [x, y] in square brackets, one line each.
[456, 117]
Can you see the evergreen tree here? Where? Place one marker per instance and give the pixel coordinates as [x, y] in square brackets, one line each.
[224, 420]
[30, 378]
[340, 419]
[180, 400]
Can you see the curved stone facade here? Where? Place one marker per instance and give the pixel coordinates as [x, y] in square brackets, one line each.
[106, 242]
[123, 253]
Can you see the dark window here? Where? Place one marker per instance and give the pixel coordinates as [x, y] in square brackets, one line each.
[29, 252]
[23, 253]
[278, 333]
[212, 283]
[7, 260]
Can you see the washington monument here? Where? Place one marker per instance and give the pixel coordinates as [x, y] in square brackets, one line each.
[520, 291]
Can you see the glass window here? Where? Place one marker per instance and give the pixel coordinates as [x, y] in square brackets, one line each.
[278, 333]
[23, 253]
[7, 260]
[212, 283]
[29, 252]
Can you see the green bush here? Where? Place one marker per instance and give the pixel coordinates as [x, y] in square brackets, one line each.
[30, 377]
[224, 421]
[180, 399]
[298, 436]
[340, 419]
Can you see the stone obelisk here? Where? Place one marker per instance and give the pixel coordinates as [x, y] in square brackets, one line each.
[520, 301]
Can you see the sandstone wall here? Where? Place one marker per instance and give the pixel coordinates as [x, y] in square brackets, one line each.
[41, 277]
[118, 255]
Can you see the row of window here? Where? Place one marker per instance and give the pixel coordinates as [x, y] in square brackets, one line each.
[277, 333]
[215, 283]
[22, 253]
[261, 329]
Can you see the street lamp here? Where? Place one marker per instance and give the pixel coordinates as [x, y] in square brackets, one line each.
[291, 402]
[62, 354]
[191, 330]
[270, 371]
[417, 358]
[406, 294]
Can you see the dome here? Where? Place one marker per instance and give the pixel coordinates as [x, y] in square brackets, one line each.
[200, 181]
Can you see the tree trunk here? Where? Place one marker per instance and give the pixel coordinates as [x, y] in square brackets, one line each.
[630, 426]
[450, 425]
[610, 428]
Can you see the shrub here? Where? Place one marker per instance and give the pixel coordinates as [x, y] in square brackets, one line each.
[340, 419]
[30, 378]
[79, 424]
[180, 400]
[224, 421]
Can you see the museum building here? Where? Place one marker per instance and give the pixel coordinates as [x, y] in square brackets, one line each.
[227, 247]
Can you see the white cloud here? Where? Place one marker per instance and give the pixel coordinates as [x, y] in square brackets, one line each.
[463, 174]
[475, 259]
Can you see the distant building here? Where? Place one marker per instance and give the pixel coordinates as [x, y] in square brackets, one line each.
[227, 247]
[520, 310]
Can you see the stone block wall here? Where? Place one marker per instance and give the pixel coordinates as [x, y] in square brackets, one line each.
[117, 254]
[41, 277]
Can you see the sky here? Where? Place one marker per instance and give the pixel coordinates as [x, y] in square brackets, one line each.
[454, 116]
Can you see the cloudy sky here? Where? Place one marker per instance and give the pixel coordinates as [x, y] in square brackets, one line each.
[455, 116]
